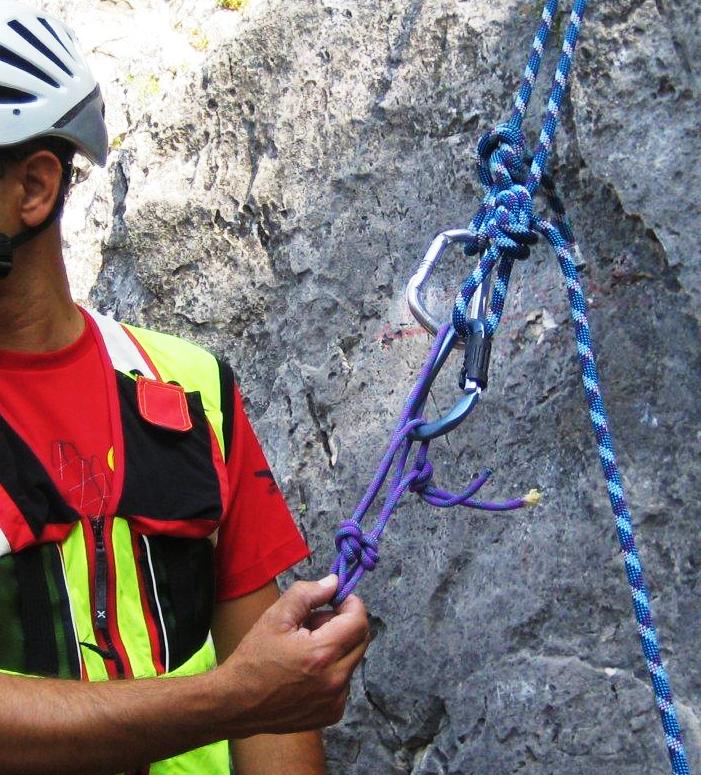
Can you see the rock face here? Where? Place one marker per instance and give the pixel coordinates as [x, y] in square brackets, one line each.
[275, 175]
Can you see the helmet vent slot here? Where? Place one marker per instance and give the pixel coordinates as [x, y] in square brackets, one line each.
[46, 87]
[32, 39]
[10, 96]
[10, 58]
[45, 24]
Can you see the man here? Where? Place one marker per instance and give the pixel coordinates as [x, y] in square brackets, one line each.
[125, 459]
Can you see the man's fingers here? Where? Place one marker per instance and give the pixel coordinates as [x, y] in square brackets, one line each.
[303, 597]
[343, 670]
[318, 619]
[351, 660]
[347, 629]
[350, 604]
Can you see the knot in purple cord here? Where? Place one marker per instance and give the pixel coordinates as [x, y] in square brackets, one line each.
[424, 475]
[357, 546]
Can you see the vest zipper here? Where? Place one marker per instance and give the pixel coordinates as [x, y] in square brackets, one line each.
[101, 613]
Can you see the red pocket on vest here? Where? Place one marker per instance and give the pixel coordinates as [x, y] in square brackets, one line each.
[163, 404]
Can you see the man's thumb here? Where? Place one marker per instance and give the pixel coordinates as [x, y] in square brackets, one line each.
[304, 596]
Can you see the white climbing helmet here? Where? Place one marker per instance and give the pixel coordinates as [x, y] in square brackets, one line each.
[46, 87]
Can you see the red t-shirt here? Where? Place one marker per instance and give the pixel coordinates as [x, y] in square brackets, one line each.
[57, 402]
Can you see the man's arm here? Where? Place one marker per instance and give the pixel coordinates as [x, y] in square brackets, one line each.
[62, 726]
[282, 678]
[301, 753]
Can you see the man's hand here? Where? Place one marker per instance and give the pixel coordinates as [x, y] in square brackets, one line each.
[292, 670]
[290, 673]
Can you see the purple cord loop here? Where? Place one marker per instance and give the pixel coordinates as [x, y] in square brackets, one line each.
[357, 546]
[423, 478]
[358, 551]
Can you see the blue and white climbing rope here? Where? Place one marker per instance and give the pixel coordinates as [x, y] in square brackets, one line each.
[504, 227]
[502, 231]
[565, 251]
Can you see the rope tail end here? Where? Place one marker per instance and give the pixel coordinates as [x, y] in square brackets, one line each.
[532, 498]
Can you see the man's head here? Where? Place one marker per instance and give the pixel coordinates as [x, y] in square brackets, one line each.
[50, 104]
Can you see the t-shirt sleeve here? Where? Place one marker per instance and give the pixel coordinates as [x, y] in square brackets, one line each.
[258, 538]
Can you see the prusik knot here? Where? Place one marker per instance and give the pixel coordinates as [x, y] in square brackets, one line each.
[424, 475]
[356, 546]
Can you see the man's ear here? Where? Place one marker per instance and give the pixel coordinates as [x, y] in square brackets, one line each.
[40, 175]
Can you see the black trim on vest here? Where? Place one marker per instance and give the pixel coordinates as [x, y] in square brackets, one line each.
[64, 612]
[227, 380]
[36, 614]
[29, 485]
[169, 475]
[11, 634]
[150, 595]
[185, 577]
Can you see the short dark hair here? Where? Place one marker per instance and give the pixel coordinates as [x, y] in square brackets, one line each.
[62, 149]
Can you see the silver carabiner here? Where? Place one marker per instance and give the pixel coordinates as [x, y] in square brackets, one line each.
[415, 290]
[478, 310]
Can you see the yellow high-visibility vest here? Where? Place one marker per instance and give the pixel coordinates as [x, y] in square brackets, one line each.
[129, 593]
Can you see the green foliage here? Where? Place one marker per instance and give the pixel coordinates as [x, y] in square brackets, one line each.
[118, 141]
[144, 85]
[198, 40]
[231, 5]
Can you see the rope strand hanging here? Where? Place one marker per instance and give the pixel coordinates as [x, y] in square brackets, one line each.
[503, 231]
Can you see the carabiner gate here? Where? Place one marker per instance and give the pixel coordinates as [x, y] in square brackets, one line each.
[477, 346]
[415, 288]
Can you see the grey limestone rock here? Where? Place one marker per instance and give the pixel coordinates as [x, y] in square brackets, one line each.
[275, 175]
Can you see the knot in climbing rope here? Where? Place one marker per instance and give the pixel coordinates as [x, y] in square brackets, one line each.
[510, 224]
[507, 216]
[500, 152]
[424, 475]
[356, 546]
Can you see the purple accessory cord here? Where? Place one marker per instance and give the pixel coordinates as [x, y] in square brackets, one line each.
[358, 551]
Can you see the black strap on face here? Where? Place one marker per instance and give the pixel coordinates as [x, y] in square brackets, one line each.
[5, 255]
[8, 245]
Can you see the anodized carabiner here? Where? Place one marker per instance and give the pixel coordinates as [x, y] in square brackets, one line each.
[415, 298]
[460, 410]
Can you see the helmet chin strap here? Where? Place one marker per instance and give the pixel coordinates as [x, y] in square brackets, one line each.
[8, 244]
